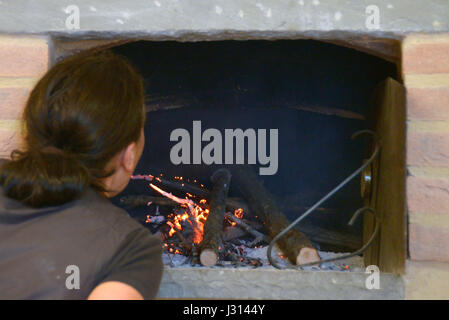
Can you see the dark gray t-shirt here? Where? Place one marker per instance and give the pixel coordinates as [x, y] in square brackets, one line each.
[42, 249]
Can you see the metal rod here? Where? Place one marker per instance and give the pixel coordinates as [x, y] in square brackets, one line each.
[330, 194]
[359, 251]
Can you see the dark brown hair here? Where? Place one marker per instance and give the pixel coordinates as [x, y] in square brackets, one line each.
[80, 114]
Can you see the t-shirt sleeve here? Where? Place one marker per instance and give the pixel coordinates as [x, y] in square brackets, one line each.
[138, 263]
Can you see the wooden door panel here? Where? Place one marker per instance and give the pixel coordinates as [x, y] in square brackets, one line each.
[388, 190]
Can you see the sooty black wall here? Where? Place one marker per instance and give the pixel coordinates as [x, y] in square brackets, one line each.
[254, 84]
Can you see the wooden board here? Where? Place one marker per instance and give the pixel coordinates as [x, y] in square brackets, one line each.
[388, 192]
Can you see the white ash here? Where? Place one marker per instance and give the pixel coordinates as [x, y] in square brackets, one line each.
[352, 264]
[175, 260]
[155, 219]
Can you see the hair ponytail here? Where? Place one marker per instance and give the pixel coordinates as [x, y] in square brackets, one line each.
[44, 179]
[80, 114]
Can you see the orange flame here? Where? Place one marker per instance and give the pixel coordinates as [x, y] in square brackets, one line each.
[239, 213]
[194, 211]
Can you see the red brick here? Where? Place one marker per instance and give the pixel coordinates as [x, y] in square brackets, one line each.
[23, 57]
[429, 195]
[12, 102]
[427, 243]
[428, 104]
[426, 280]
[428, 149]
[426, 58]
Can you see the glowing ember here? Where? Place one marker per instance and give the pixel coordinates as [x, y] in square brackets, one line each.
[184, 225]
[148, 177]
[172, 229]
[194, 214]
[239, 213]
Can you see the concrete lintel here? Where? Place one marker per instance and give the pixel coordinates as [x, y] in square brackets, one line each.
[205, 20]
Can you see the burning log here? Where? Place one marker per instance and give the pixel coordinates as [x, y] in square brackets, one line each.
[295, 245]
[258, 235]
[214, 224]
[196, 213]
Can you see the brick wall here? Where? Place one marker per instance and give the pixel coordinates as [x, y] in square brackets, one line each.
[22, 61]
[426, 77]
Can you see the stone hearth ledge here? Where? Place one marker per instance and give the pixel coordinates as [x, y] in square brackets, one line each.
[246, 283]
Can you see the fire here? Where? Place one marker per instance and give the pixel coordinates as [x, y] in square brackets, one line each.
[172, 229]
[239, 213]
[194, 214]
[191, 214]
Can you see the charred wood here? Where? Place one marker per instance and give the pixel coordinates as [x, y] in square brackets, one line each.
[259, 237]
[262, 202]
[214, 223]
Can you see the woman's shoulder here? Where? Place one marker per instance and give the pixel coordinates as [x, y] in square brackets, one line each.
[108, 214]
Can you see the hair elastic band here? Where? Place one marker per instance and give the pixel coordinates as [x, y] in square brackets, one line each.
[52, 150]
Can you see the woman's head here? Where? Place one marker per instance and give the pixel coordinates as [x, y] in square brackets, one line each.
[83, 128]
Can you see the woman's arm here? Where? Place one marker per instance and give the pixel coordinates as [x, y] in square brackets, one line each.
[134, 272]
[114, 290]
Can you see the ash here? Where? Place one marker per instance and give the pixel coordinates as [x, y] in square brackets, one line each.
[257, 258]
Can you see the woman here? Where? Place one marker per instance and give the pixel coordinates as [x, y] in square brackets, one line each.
[60, 238]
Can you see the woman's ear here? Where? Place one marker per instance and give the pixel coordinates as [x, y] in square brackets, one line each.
[129, 157]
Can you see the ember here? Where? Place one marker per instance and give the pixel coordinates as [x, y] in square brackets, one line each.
[194, 214]
[182, 228]
[194, 232]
